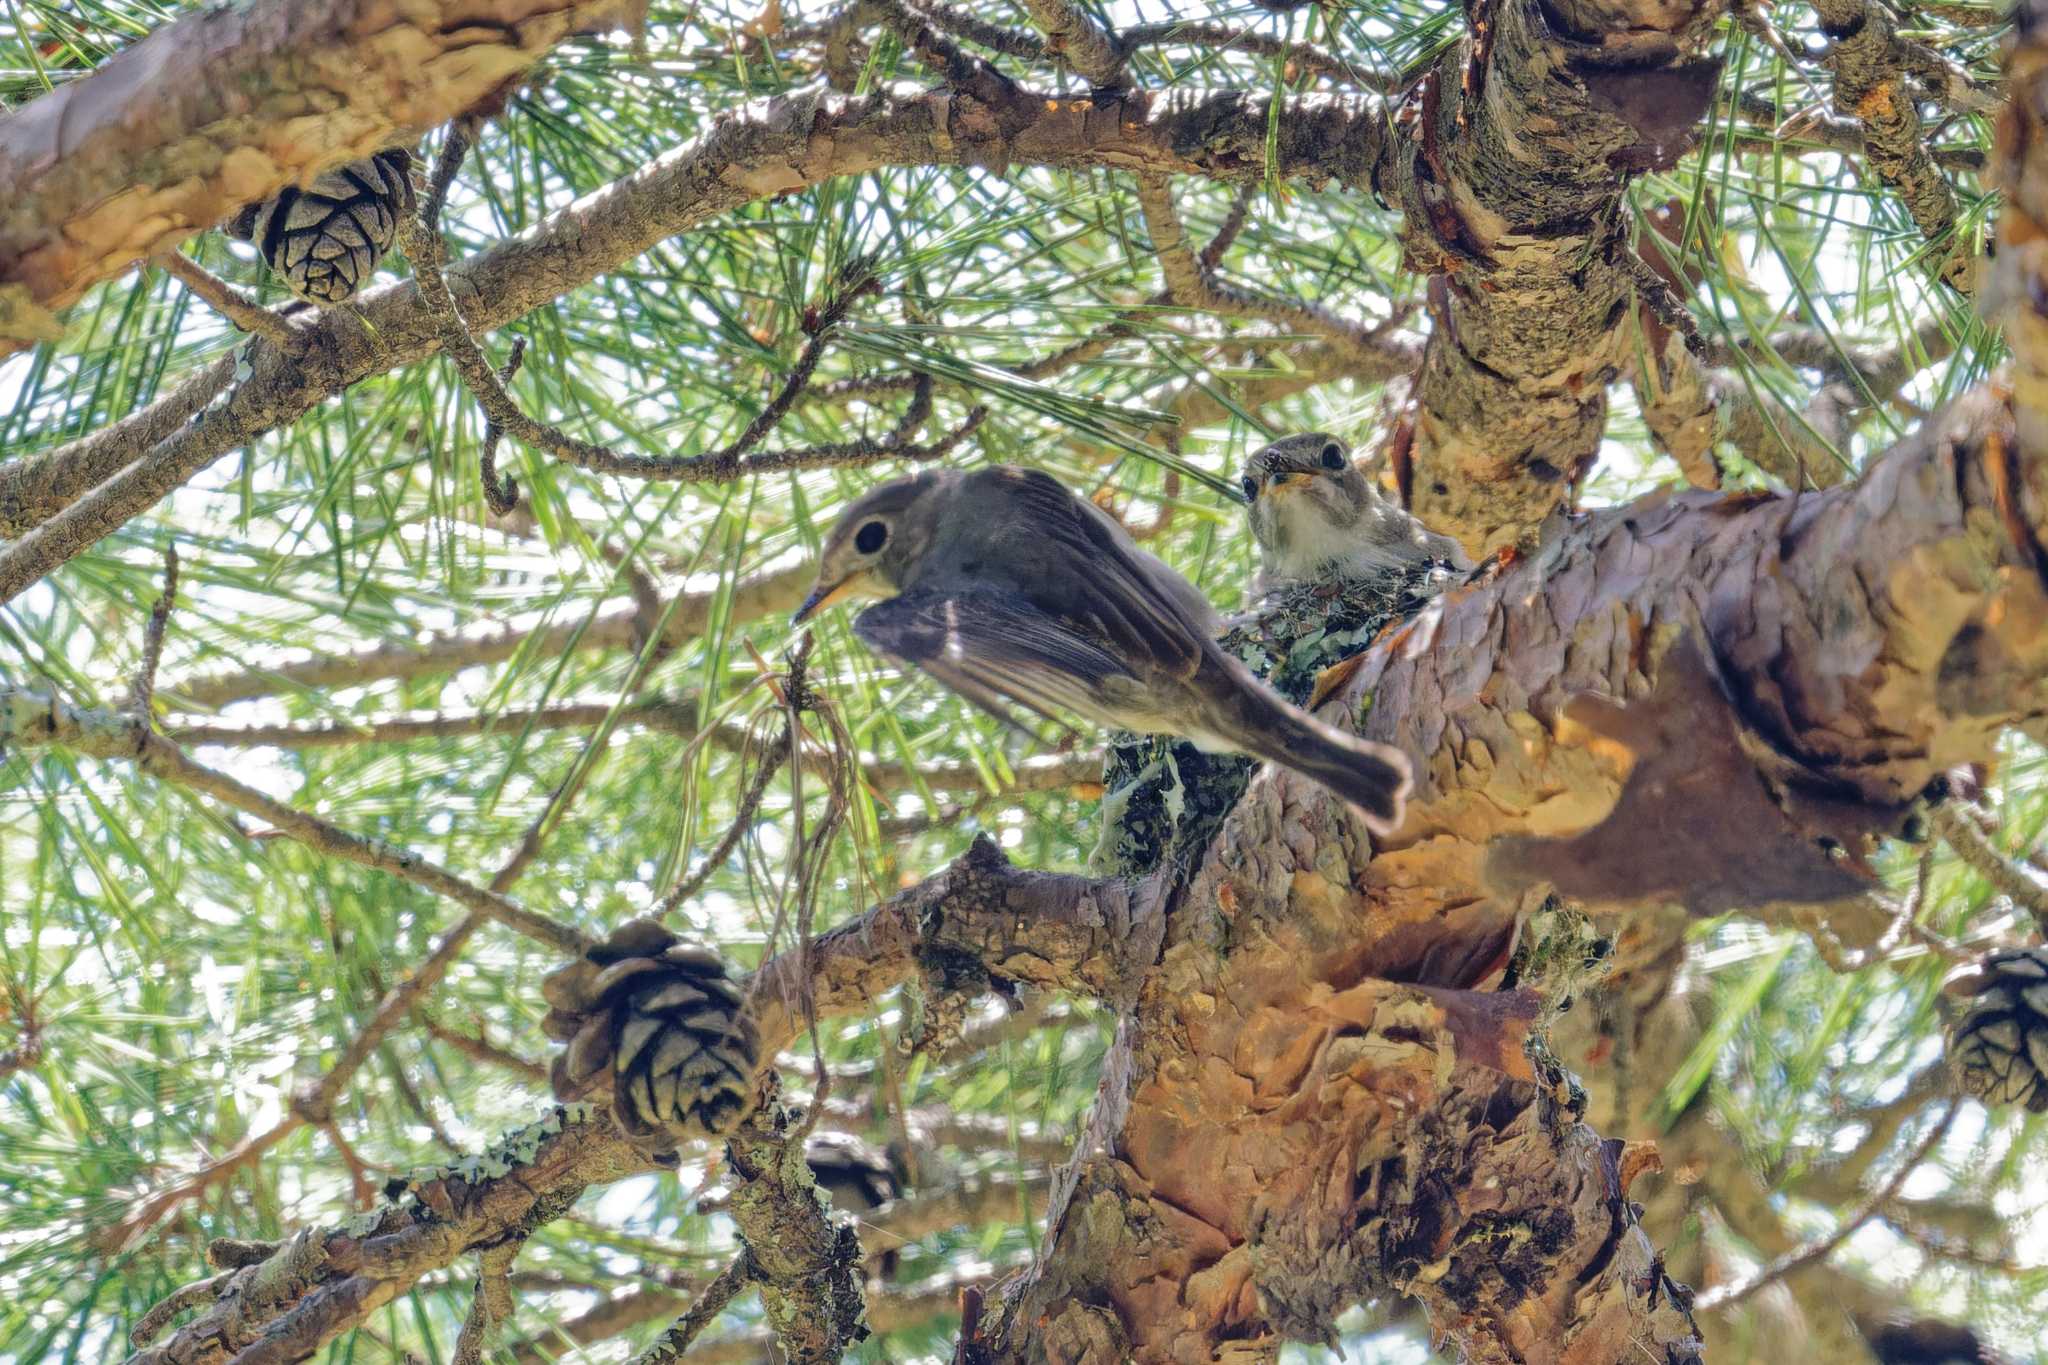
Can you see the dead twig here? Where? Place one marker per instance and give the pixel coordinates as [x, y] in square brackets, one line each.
[500, 495]
[159, 1316]
[2009, 876]
[245, 313]
[143, 693]
[721, 1291]
[690, 883]
[492, 1303]
[482, 1049]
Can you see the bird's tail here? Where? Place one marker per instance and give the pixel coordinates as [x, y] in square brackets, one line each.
[1372, 777]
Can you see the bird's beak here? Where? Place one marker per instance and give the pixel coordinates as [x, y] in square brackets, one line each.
[822, 596]
[1292, 479]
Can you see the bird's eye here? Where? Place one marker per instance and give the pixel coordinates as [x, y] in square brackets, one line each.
[1333, 456]
[1251, 488]
[870, 537]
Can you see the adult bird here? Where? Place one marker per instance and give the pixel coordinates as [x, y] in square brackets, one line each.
[1006, 587]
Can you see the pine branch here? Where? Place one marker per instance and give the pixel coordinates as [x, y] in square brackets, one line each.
[2012, 877]
[420, 239]
[28, 720]
[1869, 60]
[1191, 284]
[243, 312]
[1727, 1296]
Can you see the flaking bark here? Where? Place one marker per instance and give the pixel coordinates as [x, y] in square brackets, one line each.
[1321, 1028]
[1515, 152]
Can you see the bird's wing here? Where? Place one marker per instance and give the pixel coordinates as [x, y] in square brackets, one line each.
[1142, 610]
[992, 647]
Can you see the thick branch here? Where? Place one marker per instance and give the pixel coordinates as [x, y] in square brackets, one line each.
[318, 1284]
[1870, 62]
[1872, 637]
[771, 147]
[1043, 929]
[1521, 141]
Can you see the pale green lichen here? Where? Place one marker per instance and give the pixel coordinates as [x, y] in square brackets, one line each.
[518, 1148]
[1166, 798]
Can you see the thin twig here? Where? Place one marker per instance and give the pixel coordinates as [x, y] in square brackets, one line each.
[1096, 343]
[1190, 284]
[2008, 876]
[177, 1301]
[143, 693]
[358, 1169]
[245, 313]
[720, 1292]
[500, 495]
[30, 720]
[1724, 1296]
[482, 1049]
[492, 1303]
[1662, 301]
[422, 245]
[1904, 915]
[674, 715]
[410, 1094]
[454, 147]
[1306, 58]
[690, 883]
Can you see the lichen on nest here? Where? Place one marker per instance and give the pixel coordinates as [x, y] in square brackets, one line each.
[1163, 797]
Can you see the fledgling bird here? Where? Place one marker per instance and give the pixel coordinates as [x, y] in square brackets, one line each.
[1005, 586]
[1319, 520]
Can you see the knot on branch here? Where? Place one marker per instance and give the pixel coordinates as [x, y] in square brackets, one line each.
[312, 1105]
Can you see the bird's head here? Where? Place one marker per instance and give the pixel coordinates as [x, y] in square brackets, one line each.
[1308, 503]
[884, 531]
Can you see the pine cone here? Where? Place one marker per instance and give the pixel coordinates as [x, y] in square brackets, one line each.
[659, 1023]
[2000, 1048]
[325, 240]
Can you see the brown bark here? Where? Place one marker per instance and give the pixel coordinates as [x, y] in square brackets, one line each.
[1518, 146]
[1311, 1045]
[227, 107]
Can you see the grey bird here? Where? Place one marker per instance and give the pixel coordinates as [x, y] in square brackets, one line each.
[1318, 519]
[1005, 587]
